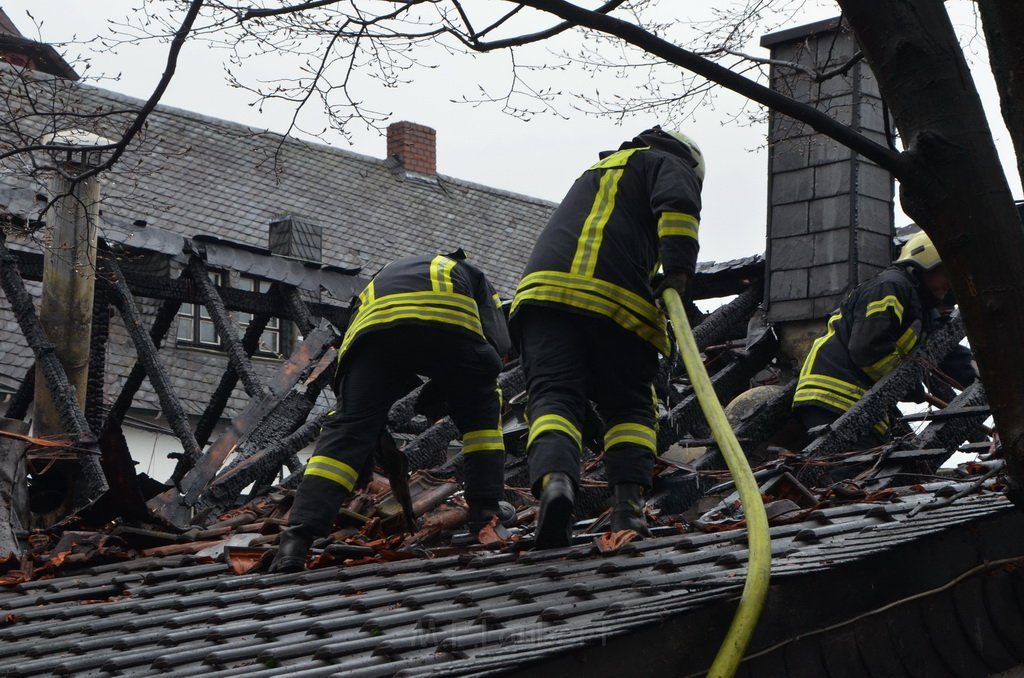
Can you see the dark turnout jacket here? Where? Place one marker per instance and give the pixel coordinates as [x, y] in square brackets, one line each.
[437, 291]
[635, 211]
[876, 326]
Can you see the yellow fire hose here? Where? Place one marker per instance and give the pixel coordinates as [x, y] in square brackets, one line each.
[758, 538]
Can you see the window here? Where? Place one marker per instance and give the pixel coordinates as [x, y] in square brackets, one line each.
[195, 327]
[194, 323]
[270, 340]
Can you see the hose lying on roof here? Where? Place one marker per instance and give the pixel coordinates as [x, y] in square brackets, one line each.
[758, 538]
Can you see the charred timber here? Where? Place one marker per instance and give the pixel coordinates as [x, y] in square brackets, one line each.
[731, 277]
[100, 334]
[22, 398]
[219, 400]
[947, 434]
[767, 421]
[298, 309]
[430, 449]
[181, 291]
[147, 352]
[223, 492]
[226, 329]
[883, 396]
[730, 320]
[728, 382]
[71, 416]
[165, 316]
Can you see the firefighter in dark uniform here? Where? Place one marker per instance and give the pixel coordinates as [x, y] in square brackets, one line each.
[435, 316]
[585, 317]
[874, 329]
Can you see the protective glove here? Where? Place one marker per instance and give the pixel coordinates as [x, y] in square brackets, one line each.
[678, 281]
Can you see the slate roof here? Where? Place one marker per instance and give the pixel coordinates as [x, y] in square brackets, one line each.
[193, 174]
[480, 613]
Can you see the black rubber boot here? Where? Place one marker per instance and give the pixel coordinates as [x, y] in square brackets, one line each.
[291, 551]
[628, 509]
[480, 514]
[557, 502]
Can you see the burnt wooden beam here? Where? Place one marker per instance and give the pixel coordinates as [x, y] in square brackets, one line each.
[227, 330]
[175, 506]
[224, 490]
[429, 449]
[887, 391]
[945, 434]
[722, 323]
[728, 382]
[182, 291]
[22, 398]
[165, 316]
[298, 310]
[226, 386]
[100, 334]
[148, 357]
[71, 416]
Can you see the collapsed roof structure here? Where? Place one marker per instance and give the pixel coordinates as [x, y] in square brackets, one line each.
[884, 562]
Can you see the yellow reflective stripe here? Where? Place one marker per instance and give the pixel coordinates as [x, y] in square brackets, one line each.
[447, 316]
[882, 366]
[332, 469]
[839, 386]
[618, 158]
[497, 300]
[485, 439]
[620, 295]
[585, 260]
[554, 422]
[884, 303]
[887, 364]
[371, 294]
[422, 298]
[441, 274]
[583, 300]
[629, 433]
[813, 395]
[905, 344]
[678, 224]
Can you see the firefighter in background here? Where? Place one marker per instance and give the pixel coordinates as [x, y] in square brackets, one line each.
[874, 329]
[585, 318]
[435, 316]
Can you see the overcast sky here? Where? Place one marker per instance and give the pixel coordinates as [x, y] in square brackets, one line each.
[539, 157]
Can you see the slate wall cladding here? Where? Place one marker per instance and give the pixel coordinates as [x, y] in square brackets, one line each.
[830, 215]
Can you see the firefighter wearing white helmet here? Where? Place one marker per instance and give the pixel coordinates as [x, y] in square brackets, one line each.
[588, 325]
[871, 333]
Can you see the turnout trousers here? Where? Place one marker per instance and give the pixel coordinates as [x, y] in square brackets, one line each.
[569, 358]
[375, 373]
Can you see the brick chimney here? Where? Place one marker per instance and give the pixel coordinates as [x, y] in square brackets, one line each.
[830, 211]
[414, 146]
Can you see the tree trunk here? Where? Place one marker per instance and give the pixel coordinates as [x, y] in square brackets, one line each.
[1002, 22]
[955, 188]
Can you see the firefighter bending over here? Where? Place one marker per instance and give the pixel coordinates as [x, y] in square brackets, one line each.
[872, 332]
[435, 316]
[585, 318]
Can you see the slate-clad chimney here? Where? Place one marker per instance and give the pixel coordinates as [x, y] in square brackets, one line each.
[414, 146]
[295, 237]
[830, 211]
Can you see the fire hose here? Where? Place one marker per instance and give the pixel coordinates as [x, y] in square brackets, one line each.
[755, 588]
